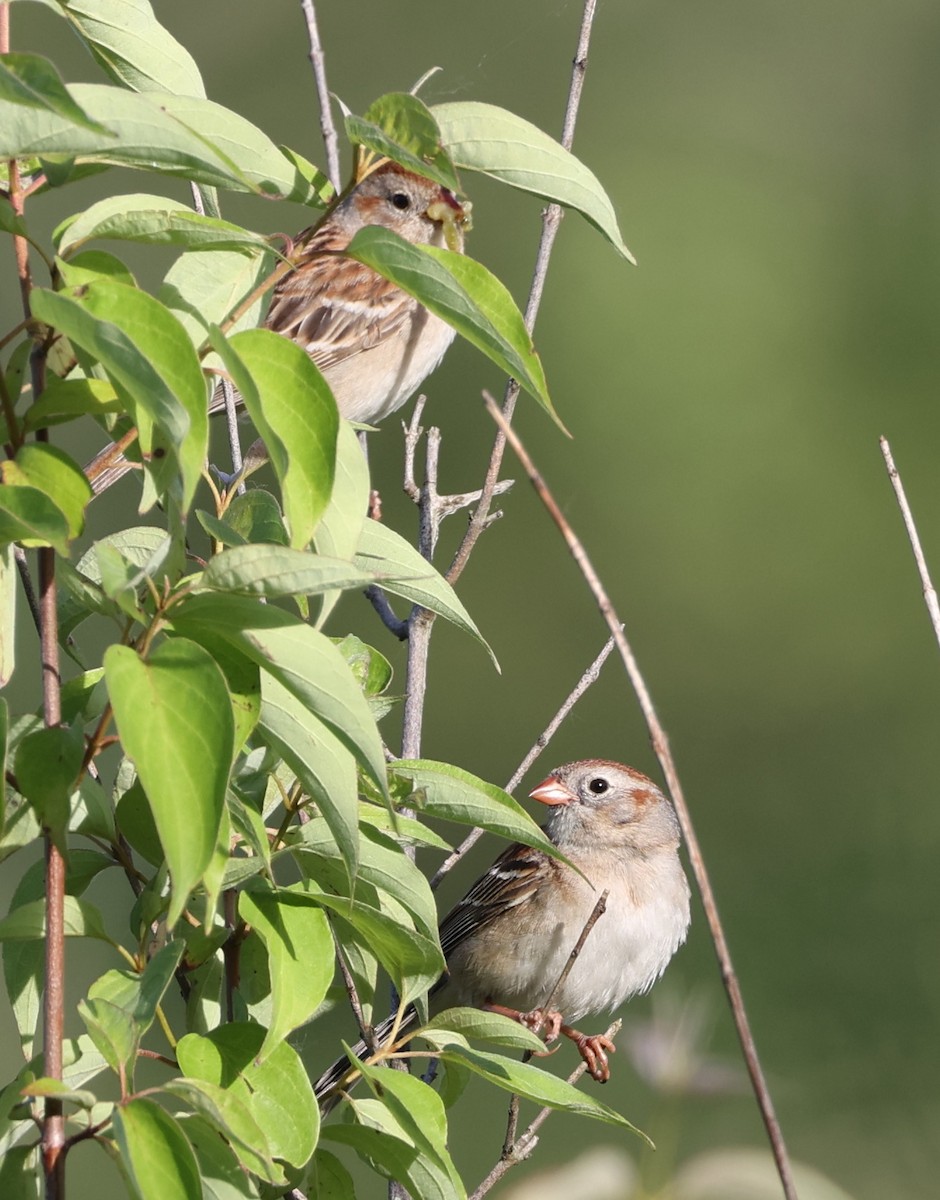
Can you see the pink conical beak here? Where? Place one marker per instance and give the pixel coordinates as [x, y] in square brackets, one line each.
[552, 791]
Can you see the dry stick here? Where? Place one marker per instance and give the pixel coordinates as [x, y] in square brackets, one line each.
[590, 676]
[318, 62]
[551, 219]
[930, 594]
[596, 913]
[523, 1147]
[660, 745]
[53, 1009]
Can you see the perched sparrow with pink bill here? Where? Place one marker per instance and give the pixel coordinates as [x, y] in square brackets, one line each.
[374, 344]
[509, 939]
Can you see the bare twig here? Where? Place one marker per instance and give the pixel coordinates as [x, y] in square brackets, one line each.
[365, 1029]
[522, 1147]
[590, 676]
[930, 594]
[660, 745]
[318, 62]
[596, 913]
[551, 220]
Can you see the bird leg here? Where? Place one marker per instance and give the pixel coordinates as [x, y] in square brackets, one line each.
[593, 1048]
[537, 1020]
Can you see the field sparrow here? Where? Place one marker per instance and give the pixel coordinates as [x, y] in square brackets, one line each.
[509, 939]
[374, 343]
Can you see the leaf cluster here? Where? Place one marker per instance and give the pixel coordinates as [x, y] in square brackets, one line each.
[225, 751]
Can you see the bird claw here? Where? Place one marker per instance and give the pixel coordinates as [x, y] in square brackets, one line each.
[547, 1022]
[593, 1049]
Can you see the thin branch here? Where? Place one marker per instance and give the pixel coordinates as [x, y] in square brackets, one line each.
[523, 1146]
[590, 676]
[596, 913]
[660, 745]
[930, 594]
[318, 62]
[551, 220]
[366, 1031]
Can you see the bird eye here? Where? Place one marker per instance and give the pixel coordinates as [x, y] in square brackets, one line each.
[401, 200]
[598, 786]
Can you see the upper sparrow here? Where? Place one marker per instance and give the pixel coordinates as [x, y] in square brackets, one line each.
[509, 939]
[373, 342]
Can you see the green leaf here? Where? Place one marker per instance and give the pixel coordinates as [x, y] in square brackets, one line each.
[277, 1089]
[329, 1179]
[418, 1110]
[203, 287]
[32, 80]
[9, 585]
[338, 533]
[65, 399]
[29, 921]
[482, 137]
[413, 960]
[256, 516]
[325, 768]
[381, 863]
[112, 1029]
[4, 731]
[154, 220]
[400, 126]
[30, 517]
[392, 1154]
[463, 293]
[443, 790]
[158, 1159]
[535, 1084]
[52, 471]
[61, 1091]
[183, 764]
[221, 1175]
[408, 574]
[92, 266]
[148, 355]
[293, 410]
[179, 135]
[297, 657]
[295, 932]
[234, 1119]
[129, 44]
[48, 764]
[274, 571]
[477, 1023]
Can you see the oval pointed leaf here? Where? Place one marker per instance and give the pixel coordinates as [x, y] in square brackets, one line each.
[32, 80]
[130, 45]
[155, 220]
[158, 1159]
[300, 949]
[400, 126]
[463, 293]
[183, 764]
[185, 136]
[535, 1084]
[443, 790]
[277, 1089]
[293, 409]
[272, 571]
[146, 352]
[483, 137]
[52, 471]
[407, 573]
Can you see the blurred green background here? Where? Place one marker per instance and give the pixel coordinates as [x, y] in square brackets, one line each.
[776, 169]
